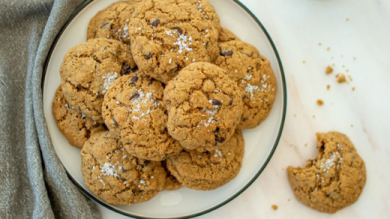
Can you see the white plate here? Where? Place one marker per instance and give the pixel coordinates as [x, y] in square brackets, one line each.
[260, 142]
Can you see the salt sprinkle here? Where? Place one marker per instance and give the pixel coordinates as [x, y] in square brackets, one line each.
[182, 43]
[251, 88]
[108, 78]
[327, 164]
[108, 170]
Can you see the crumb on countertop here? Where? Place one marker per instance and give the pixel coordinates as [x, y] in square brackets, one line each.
[275, 207]
[347, 19]
[329, 70]
[327, 49]
[353, 88]
[341, 78]
[328, 86]
[304, 61]
[320, 102]
[319, 44]
[314, 116]
[351, 125]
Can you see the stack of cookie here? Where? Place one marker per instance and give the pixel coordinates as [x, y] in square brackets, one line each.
[156, 98]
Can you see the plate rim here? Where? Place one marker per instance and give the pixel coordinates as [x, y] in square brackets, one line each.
[284, 112]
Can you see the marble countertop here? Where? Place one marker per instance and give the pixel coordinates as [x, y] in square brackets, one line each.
[310, 35]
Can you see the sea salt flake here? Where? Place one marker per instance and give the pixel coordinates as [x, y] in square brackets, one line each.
[108, 78]
[251, 89]
[108, 170]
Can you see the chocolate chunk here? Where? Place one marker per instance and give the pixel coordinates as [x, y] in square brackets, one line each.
[220, 139]
[148, 56]
[231, 101]
[115, 122]
[134, 79]
[145, 163]
[155, 22]
[216, 102]
[178, 30]
[105, 25]
[227, 53]
[134, 96]
[125, 69]
[249, 55]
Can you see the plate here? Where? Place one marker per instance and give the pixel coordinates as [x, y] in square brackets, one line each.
[260, 143]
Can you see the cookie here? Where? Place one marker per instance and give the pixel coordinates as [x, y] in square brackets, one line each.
[332, 181]
[168, 35]
[112, 22]
[117, 177]
[254, 75]
[134, 106]
[226, 35]
[89, 68]
[204, 106]
[73, 124]
[208, 170]
[171, 183]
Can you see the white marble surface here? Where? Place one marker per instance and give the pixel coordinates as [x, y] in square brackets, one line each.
[297, 27]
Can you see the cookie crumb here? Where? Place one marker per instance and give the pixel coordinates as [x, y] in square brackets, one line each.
[295, 115]
[354, 58]
[314, 116]
[303, 61]
[288, 199]
[320, 44]
[327, 49]
[275, 207]
[329, 70]
[350, 78]
[320, 102]
[341, 78]
[306, 145]
[347, 19]
[351, 125]
[333, 65]
[328, 86]
[343, 66]
[353, 88]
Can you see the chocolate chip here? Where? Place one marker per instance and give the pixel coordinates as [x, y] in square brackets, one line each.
[115, 122]
[155, 22]
[145, 163]
[249, 55]
[105, 24]
[227, 53]
[125, 68]
[148, 56]
[134, 79]
[231, 101]
[178, 29]
[216, 102]
[134, 96]
[220, 139]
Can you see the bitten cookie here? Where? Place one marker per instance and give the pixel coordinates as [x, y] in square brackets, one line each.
[204, 106]
[226, 35]
[112, 22]
[134, 106]
[332, 181]
[117, 177]
[168, 35]
[208, 170]
[87, 71]
[254, 75]
[73, 124]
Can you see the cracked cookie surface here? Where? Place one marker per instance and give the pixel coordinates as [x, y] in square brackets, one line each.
[168, 35]
[225, 35]
[208, 170]
[254, 75]
[332, 181]
[74, 125]
[112, 22]
[117, 177]
[204, 106]
[133, 105]
[89, 68]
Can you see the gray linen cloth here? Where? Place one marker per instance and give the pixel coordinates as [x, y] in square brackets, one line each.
[33, 182]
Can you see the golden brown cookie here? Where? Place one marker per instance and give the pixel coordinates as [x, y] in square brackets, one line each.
[134, 106]
[73, 124]
[117, 177]
[87, 71]
[208, 170]
[171, 183]
[112, 22]
[332, 181]
[254, 75]
[226, 35]
[204, 106]
[168, 35]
